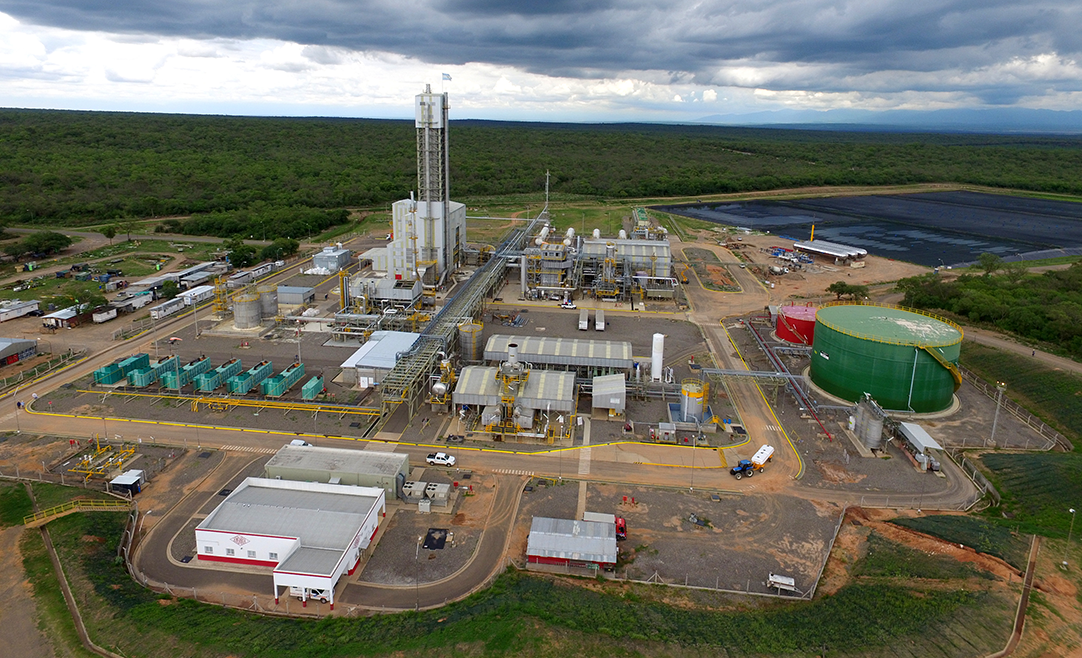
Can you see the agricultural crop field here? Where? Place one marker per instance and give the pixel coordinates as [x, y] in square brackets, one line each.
[1037, 489]
[979, 534]
[525, 615]
[1046, 392]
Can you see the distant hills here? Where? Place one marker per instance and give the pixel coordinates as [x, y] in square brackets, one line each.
[991, 120]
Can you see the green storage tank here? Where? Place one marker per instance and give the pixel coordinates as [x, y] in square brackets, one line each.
[905, 360]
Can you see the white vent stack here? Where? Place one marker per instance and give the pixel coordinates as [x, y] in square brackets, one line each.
[657, 357]
[512, 354]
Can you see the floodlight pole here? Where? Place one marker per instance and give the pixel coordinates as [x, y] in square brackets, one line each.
[1069, 531]
[1000, 386]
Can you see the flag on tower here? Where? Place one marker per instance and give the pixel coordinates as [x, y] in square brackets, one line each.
[447, 76]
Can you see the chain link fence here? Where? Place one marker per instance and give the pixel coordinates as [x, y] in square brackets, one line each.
[1051, 436]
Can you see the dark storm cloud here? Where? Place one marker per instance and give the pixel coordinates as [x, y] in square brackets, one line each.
[817, 45]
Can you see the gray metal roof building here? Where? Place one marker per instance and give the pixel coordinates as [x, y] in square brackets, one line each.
[610, 392]
[544, 389]
[655, 255]
[562, 351]
[832, 249]
[562, 541]
[295, 295]
[918, 437]
[385, 470]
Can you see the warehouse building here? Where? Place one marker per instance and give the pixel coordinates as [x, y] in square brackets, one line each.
[574, 544]
[386, 470]
[310, 533]
[839, 252]
[588, 357]
[373, 360]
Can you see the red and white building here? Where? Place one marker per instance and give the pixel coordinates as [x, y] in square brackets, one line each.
[568, 543]
[310, 533]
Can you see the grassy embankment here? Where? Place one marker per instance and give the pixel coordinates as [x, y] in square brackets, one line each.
[882, 613]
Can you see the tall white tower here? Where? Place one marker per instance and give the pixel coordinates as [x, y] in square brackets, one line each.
[429, 230]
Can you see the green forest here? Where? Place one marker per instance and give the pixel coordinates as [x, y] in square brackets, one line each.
[82, 168]
[1043, 307]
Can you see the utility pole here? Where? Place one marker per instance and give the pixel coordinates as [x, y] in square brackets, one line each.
[1000, 386]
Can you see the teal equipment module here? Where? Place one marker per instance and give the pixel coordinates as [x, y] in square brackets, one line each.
[114, 372]
[209, 381]
[312, 388]
[905, 360]
[246, 381]
[186, 373]
[149, 375]
[276, 386]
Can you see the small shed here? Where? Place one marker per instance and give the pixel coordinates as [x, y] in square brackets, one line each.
[129, 482]
[295, 295]
[13, 350]
[920, 444]
[610, 393]
[565, 542]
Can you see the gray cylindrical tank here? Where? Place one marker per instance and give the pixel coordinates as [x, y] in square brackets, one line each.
[691, 400]
[247, 312]
[469, 341]
[268, 300]
[872, 437]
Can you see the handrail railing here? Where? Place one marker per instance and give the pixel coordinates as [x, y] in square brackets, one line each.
[78, 504]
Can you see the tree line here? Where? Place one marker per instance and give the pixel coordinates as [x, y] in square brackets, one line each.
[85, 167]
[1045, 307]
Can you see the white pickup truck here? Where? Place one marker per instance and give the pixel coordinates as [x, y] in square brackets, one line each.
[440, 459]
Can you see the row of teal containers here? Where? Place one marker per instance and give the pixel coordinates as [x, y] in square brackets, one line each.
[140, 373]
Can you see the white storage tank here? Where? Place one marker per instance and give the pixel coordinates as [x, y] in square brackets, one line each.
[657, 358]
[246, 311]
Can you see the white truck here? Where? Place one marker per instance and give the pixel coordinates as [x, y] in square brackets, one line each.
[321, 595]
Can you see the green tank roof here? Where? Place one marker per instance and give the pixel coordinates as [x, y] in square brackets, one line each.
[889, 325]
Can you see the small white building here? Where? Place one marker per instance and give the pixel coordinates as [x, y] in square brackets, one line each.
[310, 533]
[373, 360]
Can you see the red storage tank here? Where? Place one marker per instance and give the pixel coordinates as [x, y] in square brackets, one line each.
[796, 324]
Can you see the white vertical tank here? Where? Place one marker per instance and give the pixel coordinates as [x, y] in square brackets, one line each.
[597, 233]
[657, 358]
[623, 234]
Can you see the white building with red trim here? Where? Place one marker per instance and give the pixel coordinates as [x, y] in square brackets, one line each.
[309, 532]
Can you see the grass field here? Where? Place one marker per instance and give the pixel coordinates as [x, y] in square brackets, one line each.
[888, 559]
[14, 504]
[533, 616]
[980, 534]
[1037, 489]
[53, 617]
[1049, 394]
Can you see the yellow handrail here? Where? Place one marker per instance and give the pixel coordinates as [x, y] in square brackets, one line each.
[89, 505]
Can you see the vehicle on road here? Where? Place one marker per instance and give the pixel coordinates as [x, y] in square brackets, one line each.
[440, 459]
[570, 305]
[758, 461]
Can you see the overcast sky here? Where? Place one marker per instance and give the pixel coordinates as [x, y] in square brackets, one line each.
[539, 60]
